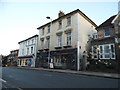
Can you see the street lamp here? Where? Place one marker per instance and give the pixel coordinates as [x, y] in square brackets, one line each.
[49, 43]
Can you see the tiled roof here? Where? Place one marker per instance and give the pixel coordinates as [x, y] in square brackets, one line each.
[107, 22]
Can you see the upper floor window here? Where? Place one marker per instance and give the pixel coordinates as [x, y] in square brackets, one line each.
[32, 41]
[60, 25]
[42, 43]
[48, 42]
[68, 38]
[27, 51]
[60, 40]
[106, 32]
[119, 24]
[69, 21]
[95, 36]
[22, 51]
[48, 28]
[28, 42]
[31, 50]
[42, 31]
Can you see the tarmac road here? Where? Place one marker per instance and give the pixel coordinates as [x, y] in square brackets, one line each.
[27, 78]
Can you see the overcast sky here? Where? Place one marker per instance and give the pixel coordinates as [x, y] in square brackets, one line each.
[19, 20]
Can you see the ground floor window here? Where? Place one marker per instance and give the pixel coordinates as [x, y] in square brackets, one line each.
[107, 51]
[25, 62]
[94, 52]
[65, 61]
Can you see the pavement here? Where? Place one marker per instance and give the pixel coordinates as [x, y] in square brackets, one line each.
[89, 73]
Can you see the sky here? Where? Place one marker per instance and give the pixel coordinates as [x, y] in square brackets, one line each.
[19, 20]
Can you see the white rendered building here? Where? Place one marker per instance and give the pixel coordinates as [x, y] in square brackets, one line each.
[63, 37]
[27, 51]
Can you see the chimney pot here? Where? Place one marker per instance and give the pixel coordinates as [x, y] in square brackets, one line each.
[61, 13]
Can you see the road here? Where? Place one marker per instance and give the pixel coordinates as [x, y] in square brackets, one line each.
[26, 78]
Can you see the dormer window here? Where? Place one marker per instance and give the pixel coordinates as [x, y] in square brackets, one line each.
[106, 32]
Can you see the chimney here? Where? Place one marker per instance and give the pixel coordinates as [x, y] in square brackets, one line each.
[61, 13]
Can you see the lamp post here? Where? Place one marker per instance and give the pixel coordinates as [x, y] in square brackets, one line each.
[49, 42]
[78, 56]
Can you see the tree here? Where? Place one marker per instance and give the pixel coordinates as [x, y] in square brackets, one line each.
[4, 60]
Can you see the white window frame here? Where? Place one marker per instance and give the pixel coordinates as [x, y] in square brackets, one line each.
[95, 36]
[60, 40]
[68, 20]
[32, 41]
[68, 36]
[110, 53]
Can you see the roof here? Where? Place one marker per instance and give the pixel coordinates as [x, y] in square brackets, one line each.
[73, 12]
[27, 39]
[107, 23]
[116, 18]
[14, 50]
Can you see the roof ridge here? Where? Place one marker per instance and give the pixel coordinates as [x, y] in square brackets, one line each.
[107, 22]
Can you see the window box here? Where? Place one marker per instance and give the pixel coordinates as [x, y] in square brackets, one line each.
[67, 46]
[58, 47]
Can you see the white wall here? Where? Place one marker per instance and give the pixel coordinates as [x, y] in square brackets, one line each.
[80, 29]
[85, 28]
[24, 45]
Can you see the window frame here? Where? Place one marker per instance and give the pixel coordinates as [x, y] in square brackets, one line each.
[59, 40]
[94, 48]
[68, 38]
[60, 24]
[48, 29]
[43, 31]
[110, 53]
[42, 44]
[31, 50]
[69, 21]
[48, 42]
[108, 30]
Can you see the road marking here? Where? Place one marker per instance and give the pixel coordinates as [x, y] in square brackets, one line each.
[3, 80]
[4, 86]
[19, 89]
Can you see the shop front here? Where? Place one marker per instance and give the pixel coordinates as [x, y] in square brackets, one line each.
[61, 59]
[25, 61]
